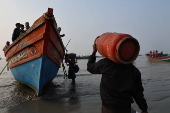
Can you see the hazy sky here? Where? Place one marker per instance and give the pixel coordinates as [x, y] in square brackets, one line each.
[83, 20]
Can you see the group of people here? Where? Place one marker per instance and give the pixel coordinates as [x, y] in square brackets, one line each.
[156, 54]
[19, 30]
[16, 32]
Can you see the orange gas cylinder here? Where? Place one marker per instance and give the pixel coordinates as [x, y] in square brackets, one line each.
[118, 47]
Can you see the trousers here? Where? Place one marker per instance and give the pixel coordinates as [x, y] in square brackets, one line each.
[107, 110]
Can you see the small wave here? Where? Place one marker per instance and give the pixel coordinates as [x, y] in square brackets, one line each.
[163, 98]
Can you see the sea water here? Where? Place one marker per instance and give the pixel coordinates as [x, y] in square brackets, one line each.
[60, 96]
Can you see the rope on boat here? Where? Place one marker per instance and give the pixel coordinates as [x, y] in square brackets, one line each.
[67, 43]
[64, 70]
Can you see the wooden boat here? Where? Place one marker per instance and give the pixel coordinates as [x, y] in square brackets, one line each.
[164, 57]
[35, 57]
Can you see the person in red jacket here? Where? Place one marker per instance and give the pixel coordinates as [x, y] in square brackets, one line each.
[120, 85]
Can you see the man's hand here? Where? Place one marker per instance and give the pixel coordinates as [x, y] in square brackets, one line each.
[94, 48]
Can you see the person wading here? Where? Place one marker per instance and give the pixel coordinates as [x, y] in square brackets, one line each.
[71, 71]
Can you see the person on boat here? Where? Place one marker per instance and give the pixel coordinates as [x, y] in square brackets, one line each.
[16, 32]
[71, 63]
[153, 54]
[27, 26]
[22, 28]
[59, 30]
[150, 53]
[161, 54]
[156, 51]
[6, 46]
[120, 85]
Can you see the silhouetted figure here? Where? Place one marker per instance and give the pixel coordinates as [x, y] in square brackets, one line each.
[16, 32]
[71, 72]
[22, 28]
[6, 46]
[27, 26]
[59, 30]
[156, 51]
[120, 85]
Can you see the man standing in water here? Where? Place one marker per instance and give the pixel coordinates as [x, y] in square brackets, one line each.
[120, 84]
[71, 63]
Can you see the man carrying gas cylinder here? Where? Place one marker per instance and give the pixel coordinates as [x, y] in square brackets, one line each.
[121, 81]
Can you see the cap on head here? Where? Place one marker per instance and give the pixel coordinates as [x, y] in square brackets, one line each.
[26, 23]
[59, 28]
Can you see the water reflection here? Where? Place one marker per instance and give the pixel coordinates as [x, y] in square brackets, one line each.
[54, 105]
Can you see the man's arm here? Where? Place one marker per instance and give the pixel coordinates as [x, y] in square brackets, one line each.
[93, 66]
[138, 93]
[62, 35]
[14, 35]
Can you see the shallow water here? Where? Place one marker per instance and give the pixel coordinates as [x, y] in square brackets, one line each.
[61, 97]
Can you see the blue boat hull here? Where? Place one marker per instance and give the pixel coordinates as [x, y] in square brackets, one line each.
[36, 73]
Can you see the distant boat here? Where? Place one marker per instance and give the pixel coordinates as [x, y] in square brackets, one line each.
[164, 57]
[35, 57]
[83, 57]
[86, 57]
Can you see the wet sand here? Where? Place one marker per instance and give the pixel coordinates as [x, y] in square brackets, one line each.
[157, 96]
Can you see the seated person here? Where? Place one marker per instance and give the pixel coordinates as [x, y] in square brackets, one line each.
[6, 46]
[27, 25]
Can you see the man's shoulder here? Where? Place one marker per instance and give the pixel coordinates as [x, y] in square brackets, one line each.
[107, 61]
[15, 29]
[136, 69]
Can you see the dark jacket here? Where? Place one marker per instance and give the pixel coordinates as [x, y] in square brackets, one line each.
[15, 34]
[120, 83]
[71, 73]
[71, 65]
